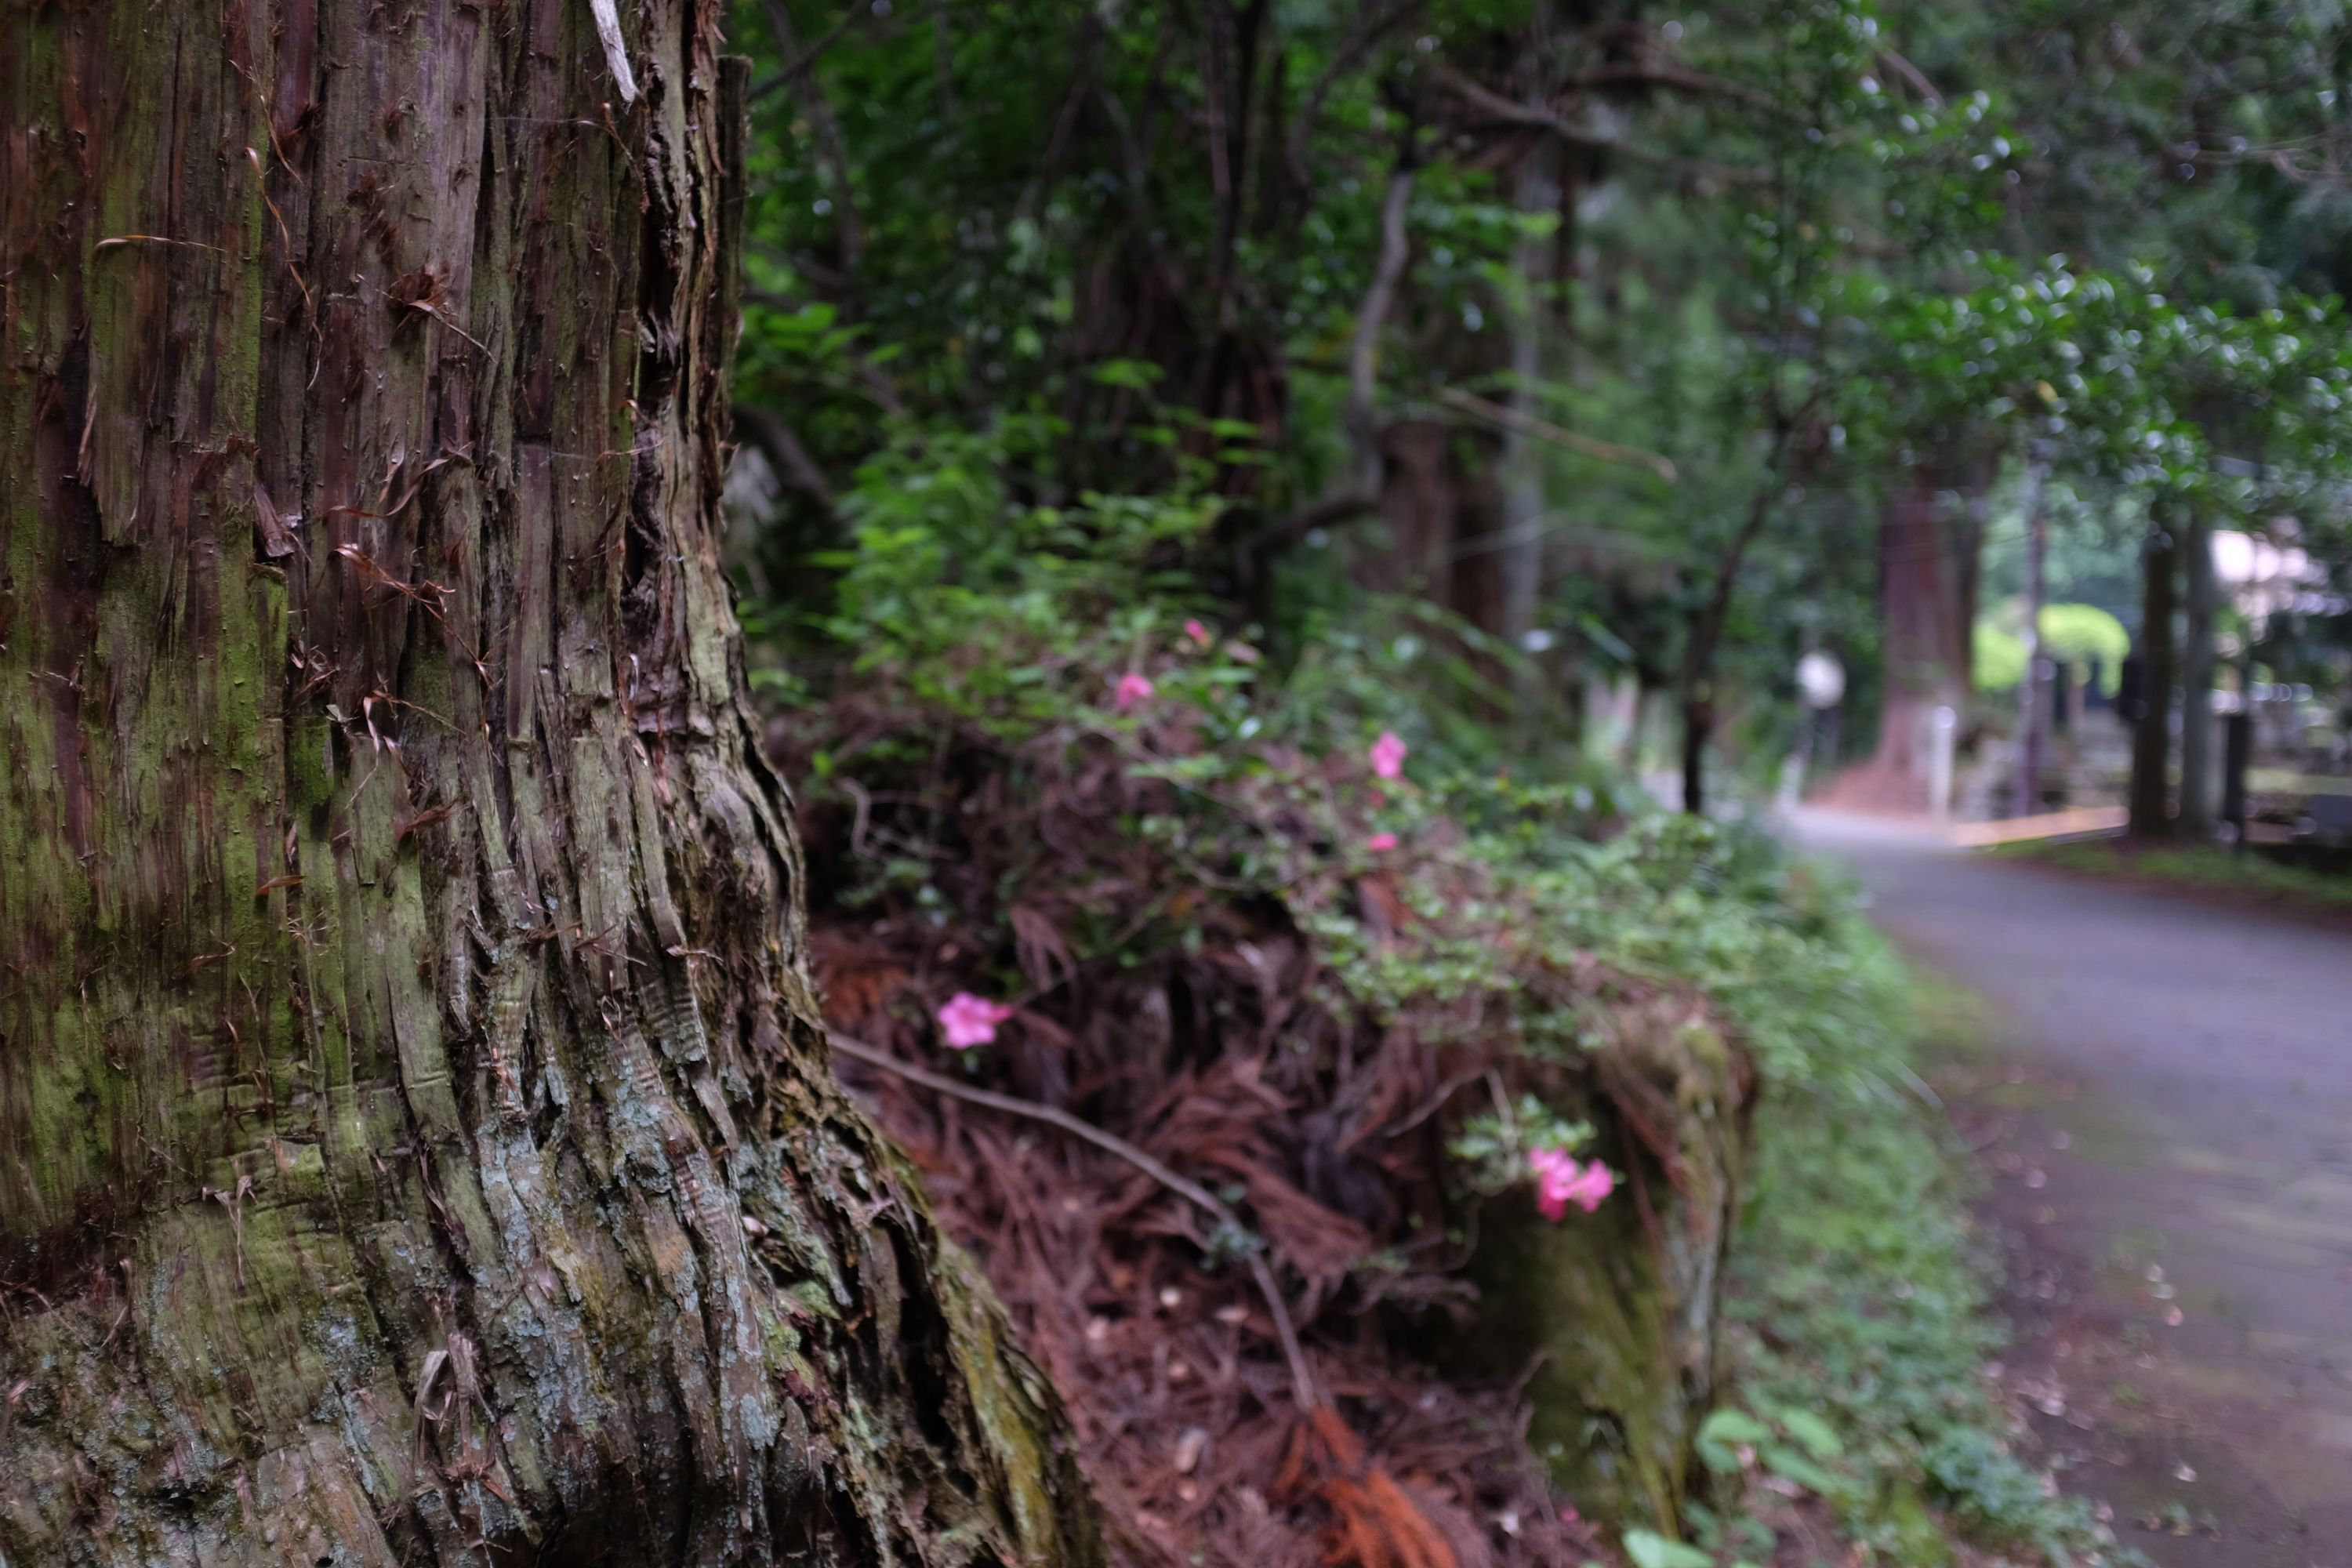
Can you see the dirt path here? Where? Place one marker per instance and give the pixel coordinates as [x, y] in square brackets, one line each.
[2171, 1127]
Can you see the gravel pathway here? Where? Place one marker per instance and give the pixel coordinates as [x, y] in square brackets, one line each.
[2169, 1123]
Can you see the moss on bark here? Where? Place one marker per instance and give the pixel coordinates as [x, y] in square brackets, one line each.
[1615, 1310]
[416, 1139]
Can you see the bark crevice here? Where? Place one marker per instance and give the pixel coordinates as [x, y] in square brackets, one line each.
[416, 1141]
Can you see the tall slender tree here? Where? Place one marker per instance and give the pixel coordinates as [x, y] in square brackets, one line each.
[2150, 799]
[416, 1143]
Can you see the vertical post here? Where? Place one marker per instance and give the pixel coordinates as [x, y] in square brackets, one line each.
[2026, 797]
[1943, 739]
[2237, 750]
[1820, 683]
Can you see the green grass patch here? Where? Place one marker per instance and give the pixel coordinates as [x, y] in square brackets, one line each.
[2197, 868]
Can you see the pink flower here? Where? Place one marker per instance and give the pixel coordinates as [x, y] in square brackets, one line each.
[1132, 690]
[1197, 632]
[1561, 1181]
[1388, 755]
[1380, 842]
[968, 1020]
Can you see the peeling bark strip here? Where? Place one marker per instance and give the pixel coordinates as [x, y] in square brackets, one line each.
[616, 53]
[416, 1144]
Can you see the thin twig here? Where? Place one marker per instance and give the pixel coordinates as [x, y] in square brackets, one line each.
[808, 57]
[1498, 108]
[1912, 74]
[1302, 1382]
[1436, 1103]
[1682, 78]
[1345, 58]
[1545, 430]
[114, 239]
[1372, 316]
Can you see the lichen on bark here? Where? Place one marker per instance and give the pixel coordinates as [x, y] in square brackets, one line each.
[415, 1138]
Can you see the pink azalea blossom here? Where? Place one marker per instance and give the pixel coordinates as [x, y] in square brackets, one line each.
[1388, 755]
[1561, 1181]
[1197, 632]
[1380, 842]
[968, 1020]
[1132, 690]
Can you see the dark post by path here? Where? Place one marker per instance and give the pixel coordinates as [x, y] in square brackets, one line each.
[2237, 747]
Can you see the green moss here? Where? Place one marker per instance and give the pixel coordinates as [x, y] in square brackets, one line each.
[309, 780]
[1619, 1304]
[1588, 1297]
[1010, 1409]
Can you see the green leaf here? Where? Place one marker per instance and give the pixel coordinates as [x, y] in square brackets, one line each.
[1733, 1427]
[1813, 1433]
[1133, 373]
[1790, 1465]
[1723, 1434]
[1653, 1550]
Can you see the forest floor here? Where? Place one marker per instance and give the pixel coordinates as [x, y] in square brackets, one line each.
[2162, 1090]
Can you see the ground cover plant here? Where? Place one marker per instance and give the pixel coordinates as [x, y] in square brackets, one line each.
[1864, 1345]
[1265, 1036]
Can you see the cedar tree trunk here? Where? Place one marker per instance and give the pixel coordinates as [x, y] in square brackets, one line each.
[2031, 703]
[1521, 555]
[2198, 772]
[1928, 557]
[417, 1144]
[2151, 760]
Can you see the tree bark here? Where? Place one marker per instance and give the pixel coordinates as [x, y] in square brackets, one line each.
[1698, 733]
[2150, 803]
[416, 1143]
[2197, 771]
[2031, 717]
[1520, 557]
[1708, 623]
[1927, 603]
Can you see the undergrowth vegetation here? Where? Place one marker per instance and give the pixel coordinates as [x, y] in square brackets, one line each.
[1863, 1339]
[1342, 992]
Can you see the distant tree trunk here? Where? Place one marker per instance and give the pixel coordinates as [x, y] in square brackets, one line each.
[416, 1143]
[2150, 815]
[1698, 733]
[1442, 508]
[1928, 553]
[1521, 556]
[2197, 773]
[2031, 715]
[1629, 755]
[1713, 616]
